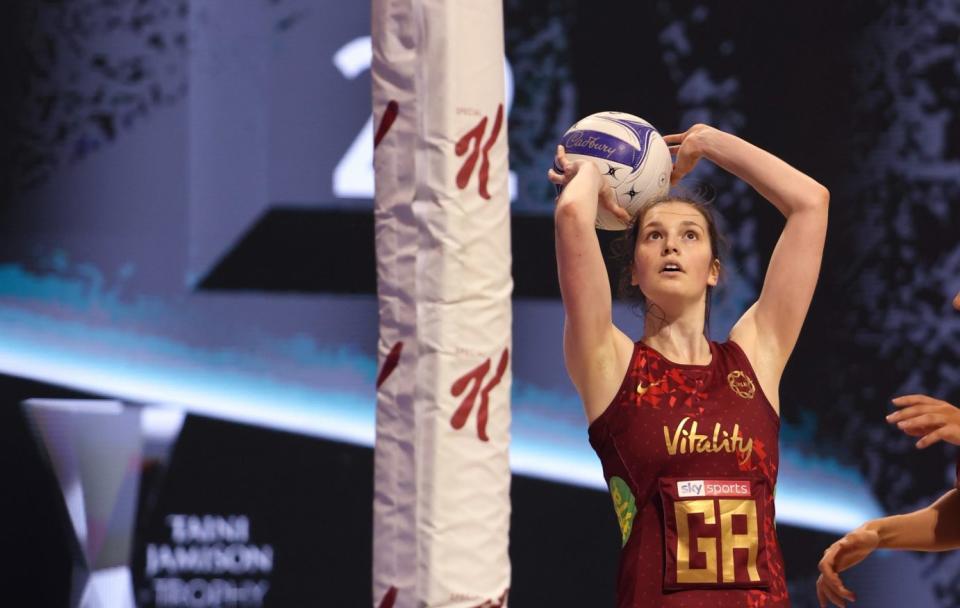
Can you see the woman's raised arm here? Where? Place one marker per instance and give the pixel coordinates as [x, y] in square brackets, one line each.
[592, 346]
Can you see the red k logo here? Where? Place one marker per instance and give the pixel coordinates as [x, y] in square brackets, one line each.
[471, 141]
[474, 379]
[389, 115]
[389, 599]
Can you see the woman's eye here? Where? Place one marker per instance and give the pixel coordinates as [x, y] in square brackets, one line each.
[691, 235]
[653, 236]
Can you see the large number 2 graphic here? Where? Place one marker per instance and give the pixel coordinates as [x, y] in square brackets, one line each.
[353, 175]
[707, 545]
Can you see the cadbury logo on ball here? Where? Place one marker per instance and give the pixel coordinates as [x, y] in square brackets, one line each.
[579, 141]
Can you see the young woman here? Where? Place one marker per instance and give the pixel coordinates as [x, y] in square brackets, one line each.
[686, 428]
[933, 528]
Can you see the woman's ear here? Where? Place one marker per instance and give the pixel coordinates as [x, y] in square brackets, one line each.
[714, 276]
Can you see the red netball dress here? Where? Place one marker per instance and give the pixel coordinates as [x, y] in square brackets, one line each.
[690, 455]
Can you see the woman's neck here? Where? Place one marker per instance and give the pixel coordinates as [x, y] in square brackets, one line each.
[680, 338]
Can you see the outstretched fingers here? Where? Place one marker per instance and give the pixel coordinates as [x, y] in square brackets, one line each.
[912, 412]
[931, 438]
[923, 423]
[912, 400]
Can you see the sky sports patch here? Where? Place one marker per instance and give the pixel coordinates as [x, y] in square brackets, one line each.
[714, 533]
[690, 488]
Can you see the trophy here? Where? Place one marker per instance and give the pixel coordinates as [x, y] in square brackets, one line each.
[97, 450]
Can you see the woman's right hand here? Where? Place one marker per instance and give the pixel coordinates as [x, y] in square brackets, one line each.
[573, 173]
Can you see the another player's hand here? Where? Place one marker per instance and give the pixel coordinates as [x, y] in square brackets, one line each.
[686, 150]
[930, 419]
[841, 555]
[564, 172]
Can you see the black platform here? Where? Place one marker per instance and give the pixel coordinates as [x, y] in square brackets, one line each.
[292, 249]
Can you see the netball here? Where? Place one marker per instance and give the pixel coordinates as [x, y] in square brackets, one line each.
[630, 154]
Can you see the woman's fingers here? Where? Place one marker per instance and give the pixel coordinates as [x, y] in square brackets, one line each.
[673, 138]
[683, 164]
[821, 596]
[833, 560]
[677, 174]
[556, 178]
[918, 432]
[912, 412]
[828, 585]
[909, 400]
[622, 214]
[563, 169]
[923, 421]
[833, 596]
[930, 419]
[608, 199]
[931, 438]
[558, 159]
[828, 575]
[826, 596]
[835, 589]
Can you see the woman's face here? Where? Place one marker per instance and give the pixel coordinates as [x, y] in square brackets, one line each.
[673, 260]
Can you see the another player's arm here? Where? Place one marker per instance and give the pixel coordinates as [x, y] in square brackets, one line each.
[768, 331]
[933, 528]
[592, 346]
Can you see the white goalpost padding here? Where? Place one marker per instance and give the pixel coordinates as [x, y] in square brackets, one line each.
[442, 477]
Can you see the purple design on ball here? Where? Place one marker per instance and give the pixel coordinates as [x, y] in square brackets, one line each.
[608, 147]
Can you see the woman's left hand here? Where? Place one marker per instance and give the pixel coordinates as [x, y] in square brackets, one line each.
[930, 419]
[686, 149]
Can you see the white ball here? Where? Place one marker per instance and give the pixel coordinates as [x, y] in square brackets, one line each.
[630, 154]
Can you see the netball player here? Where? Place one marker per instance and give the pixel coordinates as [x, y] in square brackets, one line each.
[686, 429]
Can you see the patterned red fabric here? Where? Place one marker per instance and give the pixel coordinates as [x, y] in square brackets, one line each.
[690, 453]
